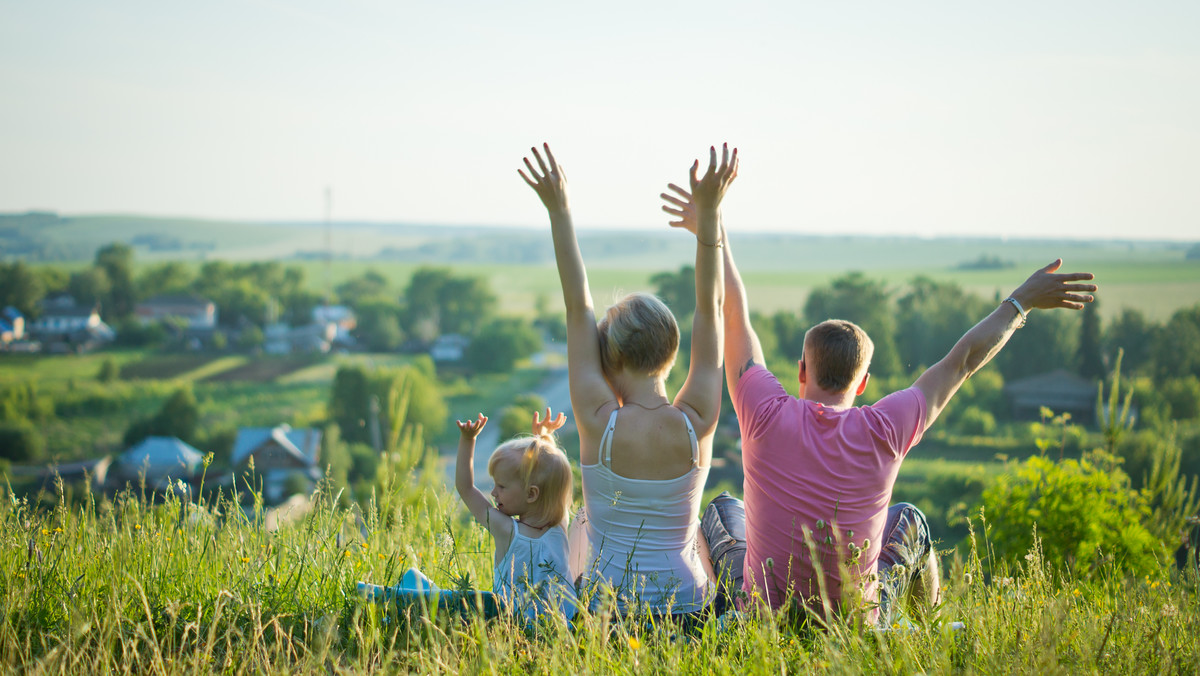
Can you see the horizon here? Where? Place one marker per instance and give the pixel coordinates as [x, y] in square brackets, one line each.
[1075, 119]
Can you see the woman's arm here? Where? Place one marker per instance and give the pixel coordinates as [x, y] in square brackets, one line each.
[701, 392]
[589, 390]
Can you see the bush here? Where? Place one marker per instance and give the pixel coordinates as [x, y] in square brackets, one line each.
[976, 422]
[1084, 512]
[20, 441]
[501, 344]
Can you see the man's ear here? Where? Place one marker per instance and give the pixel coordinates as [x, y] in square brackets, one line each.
[862, 386]
[803, 372]
[531, 495]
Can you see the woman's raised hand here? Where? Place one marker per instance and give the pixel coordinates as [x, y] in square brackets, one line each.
[707, 190]
[551, 184]
[548, 426]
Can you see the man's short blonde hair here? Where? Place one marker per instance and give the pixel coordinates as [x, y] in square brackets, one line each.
[837, 353]
[639, 333]
[538, 461]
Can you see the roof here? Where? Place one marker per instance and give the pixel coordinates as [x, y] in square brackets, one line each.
[10, 313]
[160, 456]
[300, 445]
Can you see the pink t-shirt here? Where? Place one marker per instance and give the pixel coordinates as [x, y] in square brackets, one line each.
[804, 463]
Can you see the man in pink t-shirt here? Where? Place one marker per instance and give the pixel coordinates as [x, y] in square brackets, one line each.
[819, 471]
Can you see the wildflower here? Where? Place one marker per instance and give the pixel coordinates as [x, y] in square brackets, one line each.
[58, 529]
[1170, 610]
[245, 559]
[1075, 592]
[634, 643]
[1154, 585]
[967, 577]
[365, 546]
[45, 531]
[381, 557]
[137, 526]
[820, 524]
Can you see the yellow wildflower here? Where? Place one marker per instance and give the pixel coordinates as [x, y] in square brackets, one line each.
[245, 559]
[634, 643]
[137, 526]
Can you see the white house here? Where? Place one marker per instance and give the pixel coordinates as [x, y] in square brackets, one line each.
[194, 311]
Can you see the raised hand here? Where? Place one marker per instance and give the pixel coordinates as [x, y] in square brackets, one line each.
[546, 427]
[681, 207]
[551, 184]
[1047, 289]
[471, 428]
[707, 190]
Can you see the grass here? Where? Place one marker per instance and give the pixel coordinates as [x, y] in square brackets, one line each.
[129, 585]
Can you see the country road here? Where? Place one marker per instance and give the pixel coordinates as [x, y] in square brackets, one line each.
[554, 389]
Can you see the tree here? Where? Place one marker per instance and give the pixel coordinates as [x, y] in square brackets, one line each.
[1176, 349]
[20, 441]
[1131, 333]
[21, 288]
[172, 277]
[867, 303]
[350, 403]
[90, 287]
[1089, 359]
[677, 290]
[501, 343]
[178, 417]
[515, 419]
[930, 318]
[452, 304]
[379, 325]
[116, 260]
[370, 285]
[1048, 341]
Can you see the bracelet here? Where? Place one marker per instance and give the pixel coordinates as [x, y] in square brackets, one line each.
[720, 242]
[1020, 310]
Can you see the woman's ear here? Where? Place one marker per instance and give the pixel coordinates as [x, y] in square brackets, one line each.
[532, 494]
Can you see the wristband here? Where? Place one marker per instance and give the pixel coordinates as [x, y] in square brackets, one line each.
[1020, 310]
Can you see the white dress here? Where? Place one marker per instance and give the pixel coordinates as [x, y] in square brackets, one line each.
[532, 578]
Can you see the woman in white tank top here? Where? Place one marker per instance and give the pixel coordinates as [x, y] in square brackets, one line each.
[645, 457]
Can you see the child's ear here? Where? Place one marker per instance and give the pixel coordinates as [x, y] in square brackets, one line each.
[531, 496]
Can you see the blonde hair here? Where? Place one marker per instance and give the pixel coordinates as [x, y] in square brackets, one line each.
[539, 462]
[638, 332]
[837, 352]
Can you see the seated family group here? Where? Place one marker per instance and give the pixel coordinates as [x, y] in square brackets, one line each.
[816, 533]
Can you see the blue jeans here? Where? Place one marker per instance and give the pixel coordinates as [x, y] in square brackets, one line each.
[906, 541]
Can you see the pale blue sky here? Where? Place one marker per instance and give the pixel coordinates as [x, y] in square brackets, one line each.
[1073, 119]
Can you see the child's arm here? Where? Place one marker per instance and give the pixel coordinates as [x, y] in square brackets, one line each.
[589, 389]
[499, 525]
[548, 426]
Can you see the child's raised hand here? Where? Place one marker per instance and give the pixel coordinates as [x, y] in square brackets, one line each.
[546, 427]
[551, 184]
[471, 428]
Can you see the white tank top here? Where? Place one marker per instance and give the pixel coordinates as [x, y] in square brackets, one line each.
[642, 534]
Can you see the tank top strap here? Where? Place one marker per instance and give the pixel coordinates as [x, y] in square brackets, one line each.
[606, 440]
[692, 437]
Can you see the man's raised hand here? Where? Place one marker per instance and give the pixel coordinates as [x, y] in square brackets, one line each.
[551, 184]
[1047, 289]
[681, 207]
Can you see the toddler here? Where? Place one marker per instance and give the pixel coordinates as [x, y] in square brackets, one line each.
[528, 521]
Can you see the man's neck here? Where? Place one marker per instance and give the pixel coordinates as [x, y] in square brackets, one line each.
[825, 398]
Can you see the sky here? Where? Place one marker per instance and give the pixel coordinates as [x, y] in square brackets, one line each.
[1075, 119]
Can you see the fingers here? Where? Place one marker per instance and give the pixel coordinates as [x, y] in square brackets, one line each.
[674, 200]
[532, 171]
[734, 167]
[540, 161]
[712, 161]
[550, 157]
[1053, 266]
[692, 173]
[531, 183]
[686, 195]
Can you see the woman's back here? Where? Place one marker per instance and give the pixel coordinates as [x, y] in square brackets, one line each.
[642, 530]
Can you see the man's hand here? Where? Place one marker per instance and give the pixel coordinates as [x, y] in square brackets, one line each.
[551, 184]
[1046, 290]
[681, 207]
[708, 190]
[471, 428]
[548, 426]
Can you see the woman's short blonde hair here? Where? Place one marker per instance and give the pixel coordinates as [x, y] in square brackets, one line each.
[639, 333]
[539, 461]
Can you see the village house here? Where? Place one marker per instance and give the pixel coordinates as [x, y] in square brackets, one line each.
[66, 326]
[279, 461]
[160, 460]
[192, 310]
[1060, 391]
[12, 326]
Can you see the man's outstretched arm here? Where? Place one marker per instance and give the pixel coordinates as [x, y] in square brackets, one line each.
[742, 349]
[1045, 289]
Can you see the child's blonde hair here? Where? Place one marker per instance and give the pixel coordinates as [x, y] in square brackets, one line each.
[638, 332]
[539, 462]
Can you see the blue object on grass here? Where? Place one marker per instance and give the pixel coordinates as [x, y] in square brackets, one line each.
[417, 590]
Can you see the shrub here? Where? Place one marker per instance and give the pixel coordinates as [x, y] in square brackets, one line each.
[977, 422]
[20, 441]
[1084, 512]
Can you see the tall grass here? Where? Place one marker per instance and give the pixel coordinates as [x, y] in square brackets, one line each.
[134, 584]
